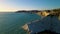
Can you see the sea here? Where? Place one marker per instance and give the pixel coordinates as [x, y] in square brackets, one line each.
[11, 22]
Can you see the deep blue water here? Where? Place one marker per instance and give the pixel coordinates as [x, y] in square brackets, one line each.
[11, 23]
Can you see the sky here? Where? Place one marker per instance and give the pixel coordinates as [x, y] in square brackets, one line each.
[14, 5]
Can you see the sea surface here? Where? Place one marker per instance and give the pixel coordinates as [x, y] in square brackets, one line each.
[11, 23]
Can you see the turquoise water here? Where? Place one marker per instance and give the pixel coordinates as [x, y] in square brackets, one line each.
[11, 23]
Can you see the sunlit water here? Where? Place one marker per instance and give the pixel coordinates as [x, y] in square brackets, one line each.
[11, 23]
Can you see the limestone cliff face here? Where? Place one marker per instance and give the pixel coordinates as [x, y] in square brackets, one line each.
[47, 12]
[43, 13]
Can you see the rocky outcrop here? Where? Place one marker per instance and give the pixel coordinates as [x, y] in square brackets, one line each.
[25, 27]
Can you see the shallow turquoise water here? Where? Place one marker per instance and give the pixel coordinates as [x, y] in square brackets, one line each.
[11, 23]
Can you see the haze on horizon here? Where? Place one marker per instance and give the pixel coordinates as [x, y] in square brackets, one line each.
[14, 5]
